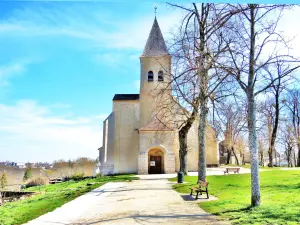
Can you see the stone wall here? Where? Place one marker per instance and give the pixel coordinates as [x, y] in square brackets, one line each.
[106, 152]
[126, 142]
[163, 141]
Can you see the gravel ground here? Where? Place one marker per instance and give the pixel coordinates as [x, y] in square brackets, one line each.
[146, 201]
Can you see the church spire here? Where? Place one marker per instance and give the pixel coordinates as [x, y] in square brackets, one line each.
[155, 45]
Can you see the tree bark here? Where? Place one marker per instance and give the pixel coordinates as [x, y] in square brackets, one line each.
[255, 186]
[236, 158]
[183, 152]
[261, 156]
[276, 121]
[228, 156]
[183, 132]
[202, 141]
[298, 160]
[295, 161]
[203, 84]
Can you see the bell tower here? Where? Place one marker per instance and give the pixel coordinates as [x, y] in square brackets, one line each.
[155, 74]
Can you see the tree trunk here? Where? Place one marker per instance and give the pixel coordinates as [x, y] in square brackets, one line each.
[276, 121]
[255, 186]
[202, 141]
[298, 160]
[261, 156]
[203, 84]
[236, 158]
[183, 152]
[183, 132]
[270, 152]
[228, 156]
[295, 161]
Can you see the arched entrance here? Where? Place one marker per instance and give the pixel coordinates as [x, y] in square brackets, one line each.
[155, 161]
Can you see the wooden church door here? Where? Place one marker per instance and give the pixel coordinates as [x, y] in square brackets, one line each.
[155, 165]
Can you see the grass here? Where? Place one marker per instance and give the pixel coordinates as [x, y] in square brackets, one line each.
[280, 196]
[50, 197]
[247, 166]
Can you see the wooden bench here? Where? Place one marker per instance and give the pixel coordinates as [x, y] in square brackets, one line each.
[200, 189]
[232, 169]
[55, 180]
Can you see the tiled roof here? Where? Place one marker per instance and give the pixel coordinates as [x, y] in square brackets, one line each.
[125, 97]
[155, 45]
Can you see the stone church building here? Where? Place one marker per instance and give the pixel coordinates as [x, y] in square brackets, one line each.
[133, 140]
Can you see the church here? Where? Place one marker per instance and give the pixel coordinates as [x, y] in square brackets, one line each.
[133, 140]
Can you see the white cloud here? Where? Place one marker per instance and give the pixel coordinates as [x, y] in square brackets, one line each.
[100, 30]
[28, 132]
[10, 70]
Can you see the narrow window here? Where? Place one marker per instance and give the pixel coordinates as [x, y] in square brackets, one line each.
[160, 76]
[150, 76]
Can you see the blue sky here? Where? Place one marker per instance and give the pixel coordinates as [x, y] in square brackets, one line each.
[60, 65]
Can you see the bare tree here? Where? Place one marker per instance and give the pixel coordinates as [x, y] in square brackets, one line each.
[293, 105]
[261, 152]
[289, 145]
[231, 122]
[202, 31]
[257, 46]
[281, 71]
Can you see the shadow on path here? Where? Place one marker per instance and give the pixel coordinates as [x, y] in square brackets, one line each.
[148, 219]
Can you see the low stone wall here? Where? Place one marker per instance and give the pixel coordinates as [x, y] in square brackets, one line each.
[11, 196]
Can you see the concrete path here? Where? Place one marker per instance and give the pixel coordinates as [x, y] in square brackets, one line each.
[145, 201]
[209, 172]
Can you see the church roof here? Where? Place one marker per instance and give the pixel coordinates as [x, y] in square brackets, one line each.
[155, 45]
[125, 97]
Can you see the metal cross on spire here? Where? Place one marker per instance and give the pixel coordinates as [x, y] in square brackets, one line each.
[155, 8]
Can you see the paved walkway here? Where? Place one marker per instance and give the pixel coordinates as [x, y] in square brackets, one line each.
[145, 201]
[209, 172]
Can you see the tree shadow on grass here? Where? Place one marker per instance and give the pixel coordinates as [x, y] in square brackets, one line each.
[243, 210]
[282, 186]
[268, 215]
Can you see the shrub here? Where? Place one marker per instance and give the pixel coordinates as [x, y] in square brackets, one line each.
[100, 175]
[3, 180]
[77, 176]
[36, 182]
[27, 174]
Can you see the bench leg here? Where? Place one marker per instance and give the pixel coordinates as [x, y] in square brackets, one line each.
[197, 195]
[207, 194]
[191, 192]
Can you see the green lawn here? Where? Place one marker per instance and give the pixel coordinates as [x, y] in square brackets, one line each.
[280, 196]
[248, 166]
[49, 198]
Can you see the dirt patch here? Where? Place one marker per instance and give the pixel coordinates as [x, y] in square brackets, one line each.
[11, 196]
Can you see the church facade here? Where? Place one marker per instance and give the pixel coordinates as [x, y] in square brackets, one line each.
[133, 140]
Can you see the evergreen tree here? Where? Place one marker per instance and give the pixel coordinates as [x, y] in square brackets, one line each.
[3, 180]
